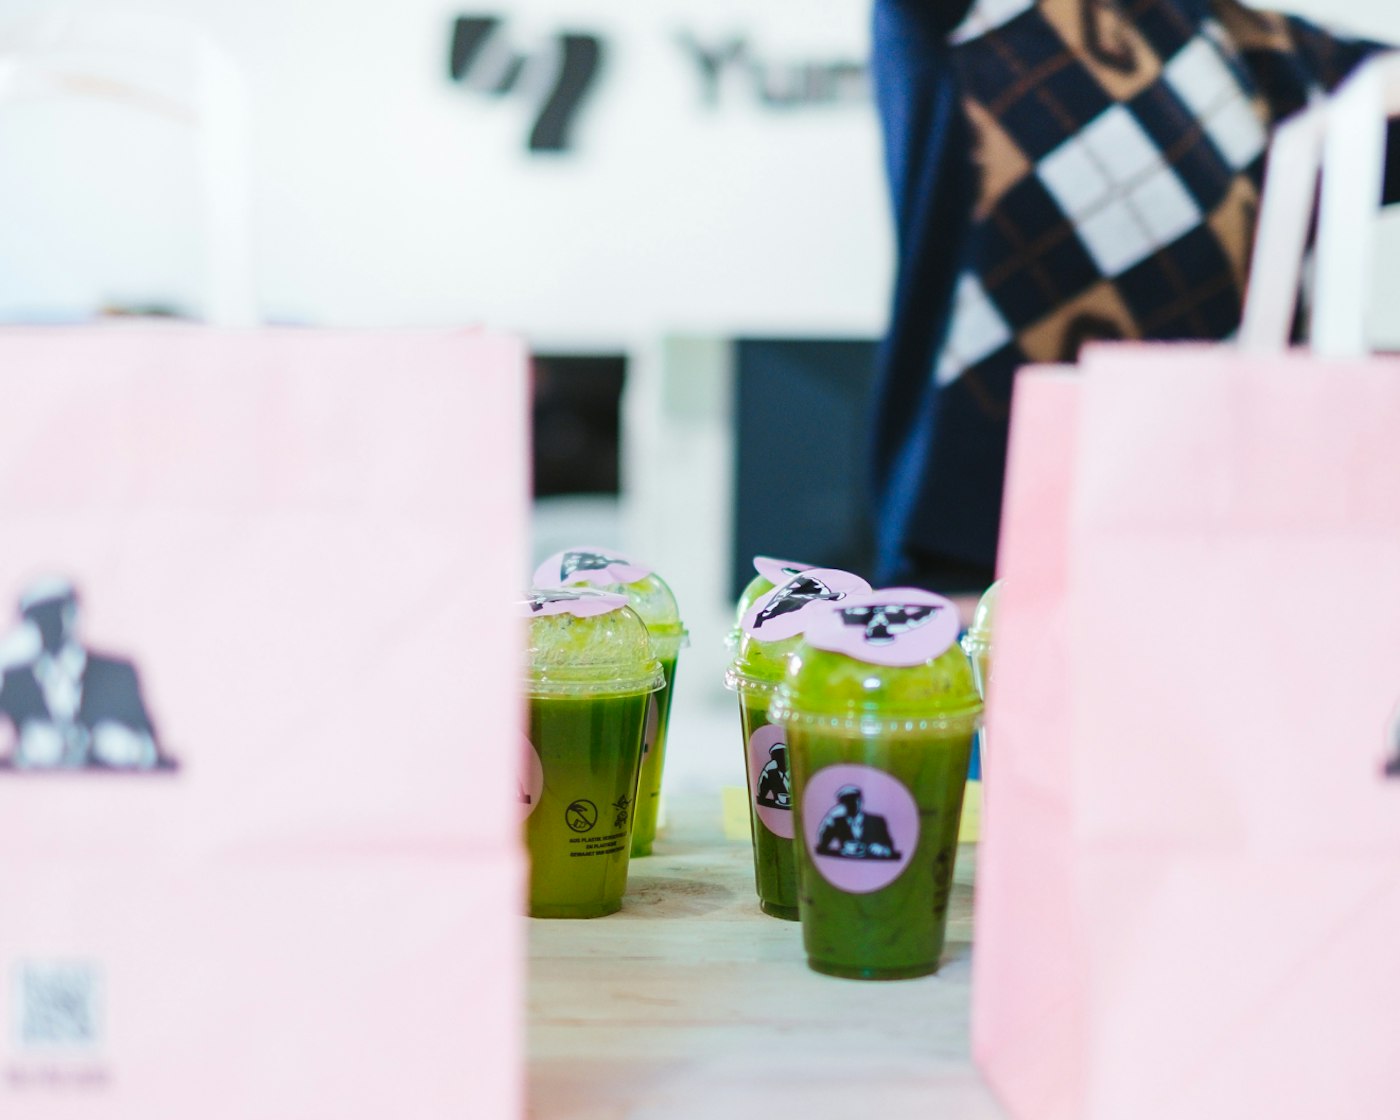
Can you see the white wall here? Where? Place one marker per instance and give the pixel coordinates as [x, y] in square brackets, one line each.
[386, 194]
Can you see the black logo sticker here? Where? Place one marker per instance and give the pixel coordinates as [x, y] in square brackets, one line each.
[793, 596]
[541, 599]
[585, 562]
[774, 786]
[887, 621]
[849, 832]
[65, 706]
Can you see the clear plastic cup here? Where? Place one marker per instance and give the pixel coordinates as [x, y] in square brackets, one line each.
[652, 599]
[977, 642]
[880, 707]
[770, 630]
[590, 675]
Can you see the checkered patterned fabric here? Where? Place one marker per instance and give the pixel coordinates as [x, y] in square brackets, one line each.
[1118, 147]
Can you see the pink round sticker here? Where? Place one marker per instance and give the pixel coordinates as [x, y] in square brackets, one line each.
[778, 571]
[583, 603]
[787, 610]
[529, 778]
[894, 626]
[861, 827]
[769, 779]
[597, 567]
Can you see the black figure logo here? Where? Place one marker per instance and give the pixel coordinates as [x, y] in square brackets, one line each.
[884, 622]
[69, 707]
[849, 832]
[581, 815]
[584, 562]
[620, 811]
[774, 789]
[542, 599]
[1392, 765]
[793, 596]
[481, 59]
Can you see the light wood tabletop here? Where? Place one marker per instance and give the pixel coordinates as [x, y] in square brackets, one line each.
[690, 1003]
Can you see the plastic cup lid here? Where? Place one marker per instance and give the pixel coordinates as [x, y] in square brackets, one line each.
[587, 643]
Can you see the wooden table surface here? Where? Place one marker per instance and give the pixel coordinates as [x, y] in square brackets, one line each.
[692, 1004]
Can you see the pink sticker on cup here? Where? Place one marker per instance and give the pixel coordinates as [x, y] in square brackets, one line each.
[529, 778]
[581, 603]
[769, 779]
[896, 626]
[786, 611]
[861, 827]
[597, 567]
[778, 571]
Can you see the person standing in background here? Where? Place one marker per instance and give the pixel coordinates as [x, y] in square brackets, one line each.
[1061, 171]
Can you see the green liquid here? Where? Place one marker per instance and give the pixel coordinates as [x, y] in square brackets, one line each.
[653, 761]
[774, 858]
[898, 930]
[580, 834]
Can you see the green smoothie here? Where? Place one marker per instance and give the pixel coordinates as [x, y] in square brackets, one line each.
[579, 834]
[770, 622]
[650, 596]
[879, 756]
[591, 675]
[755, 673]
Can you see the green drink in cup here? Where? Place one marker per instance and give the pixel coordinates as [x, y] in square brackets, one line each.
[880, 707]
[648, 595]
[770, 630]
[590, 676]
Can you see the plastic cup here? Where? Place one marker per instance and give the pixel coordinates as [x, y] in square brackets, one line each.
[977, 642]
[755, 673]
[648, 595]
[590, 675]
[880, 708]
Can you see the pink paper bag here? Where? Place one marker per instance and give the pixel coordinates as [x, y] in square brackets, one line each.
[1235, 629]
[257, 711]
[1028, 971]
[1189, 883]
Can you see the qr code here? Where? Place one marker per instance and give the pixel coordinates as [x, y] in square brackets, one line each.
[58, 1006]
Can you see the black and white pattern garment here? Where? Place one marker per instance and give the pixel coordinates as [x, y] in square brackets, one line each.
[1113, 154]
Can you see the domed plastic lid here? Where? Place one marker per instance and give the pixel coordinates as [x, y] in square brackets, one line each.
[586, 643]
[886, 662]
[646, 592]
[770, 629]
[979, 634]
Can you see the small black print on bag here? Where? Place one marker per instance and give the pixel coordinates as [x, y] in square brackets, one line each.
[1392, 762]
[64, 706]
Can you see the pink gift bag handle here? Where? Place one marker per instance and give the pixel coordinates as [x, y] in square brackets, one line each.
[54, 56]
